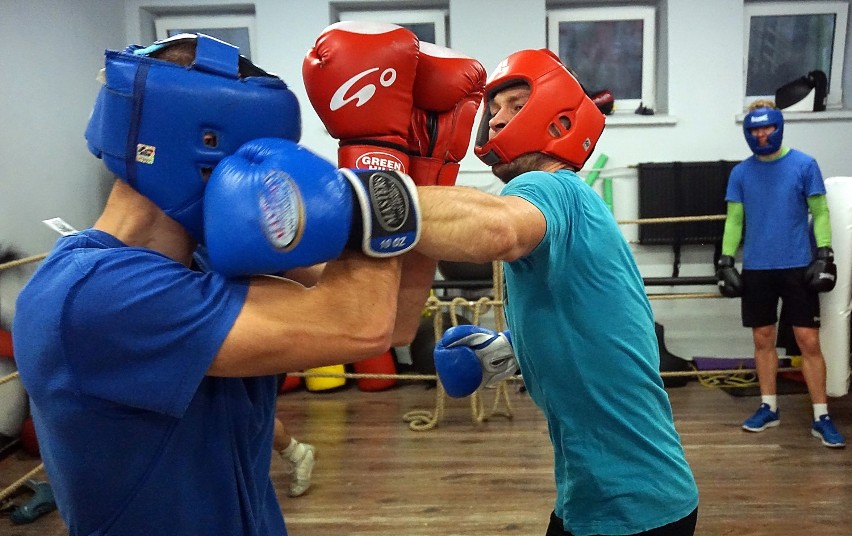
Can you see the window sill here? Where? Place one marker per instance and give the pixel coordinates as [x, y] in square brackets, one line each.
[825, 115]
[632, 120]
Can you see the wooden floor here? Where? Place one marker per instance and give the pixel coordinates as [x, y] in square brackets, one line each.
[375, 476]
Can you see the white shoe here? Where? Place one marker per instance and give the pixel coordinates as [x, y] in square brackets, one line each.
[301, 468]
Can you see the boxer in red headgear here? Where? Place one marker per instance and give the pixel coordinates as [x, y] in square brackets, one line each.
[580, 325]
[558, 118]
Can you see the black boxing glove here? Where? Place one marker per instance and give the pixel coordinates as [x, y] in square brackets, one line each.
[728, 278]
[821, 274]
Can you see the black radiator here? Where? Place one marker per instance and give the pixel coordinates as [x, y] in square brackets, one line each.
[678, 189]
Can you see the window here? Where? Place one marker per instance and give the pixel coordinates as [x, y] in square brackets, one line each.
[610, 48]
[429, 25]
[237, 30]
[785, 41]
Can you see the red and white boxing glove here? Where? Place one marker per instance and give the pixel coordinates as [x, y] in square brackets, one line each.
[359, 77]
[447, 92]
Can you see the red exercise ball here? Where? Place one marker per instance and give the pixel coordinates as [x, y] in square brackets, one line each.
[6, 344]
[291, 383]
[380, 364]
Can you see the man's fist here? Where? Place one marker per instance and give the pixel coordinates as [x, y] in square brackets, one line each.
[728, 278]
[274, 205]
[821, 274]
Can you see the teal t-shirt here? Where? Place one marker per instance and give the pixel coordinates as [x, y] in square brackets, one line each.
[583, 332]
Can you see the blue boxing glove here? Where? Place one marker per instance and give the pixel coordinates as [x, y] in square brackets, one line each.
[469, 357]
[274, 205]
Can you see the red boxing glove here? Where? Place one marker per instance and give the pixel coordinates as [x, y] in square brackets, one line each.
[359, 77]
[447, 92]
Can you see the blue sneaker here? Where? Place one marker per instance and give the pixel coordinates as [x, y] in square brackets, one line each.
[762, 419]
[825, 430]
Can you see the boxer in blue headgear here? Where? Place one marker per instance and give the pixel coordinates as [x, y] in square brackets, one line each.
[768, 118]
[774, 190]
[164, 142]
[152, 384]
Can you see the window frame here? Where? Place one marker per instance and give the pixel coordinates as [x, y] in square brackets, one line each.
[163, 24]
[840, 9]
[438, 17]
[648, 15]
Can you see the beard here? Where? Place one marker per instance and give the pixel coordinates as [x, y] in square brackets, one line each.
[522, 164]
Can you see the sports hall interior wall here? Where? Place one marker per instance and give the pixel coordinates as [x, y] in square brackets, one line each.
[51, 52]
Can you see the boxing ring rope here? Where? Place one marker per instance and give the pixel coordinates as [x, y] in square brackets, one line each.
[685, 296]
[678, 219]
[10, 377]
[9, 491]
[21, 262]
[429, 377]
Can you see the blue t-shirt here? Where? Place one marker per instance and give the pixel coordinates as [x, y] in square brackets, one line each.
[775, 195]
[583, 332]
[113, 344]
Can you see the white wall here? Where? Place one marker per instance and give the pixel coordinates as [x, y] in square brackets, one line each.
[51, 51]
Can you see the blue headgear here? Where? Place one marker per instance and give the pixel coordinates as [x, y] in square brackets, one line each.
[762, 117]
[159, 125]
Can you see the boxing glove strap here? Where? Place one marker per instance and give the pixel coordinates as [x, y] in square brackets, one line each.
[390, 212]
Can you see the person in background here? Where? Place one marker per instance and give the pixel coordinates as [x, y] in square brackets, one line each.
[774, 190]
[299, 457]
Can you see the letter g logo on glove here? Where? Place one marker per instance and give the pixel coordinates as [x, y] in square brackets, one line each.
[363, 95]
[359, 77]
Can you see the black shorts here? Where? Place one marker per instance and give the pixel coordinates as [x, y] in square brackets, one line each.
[681, 527]
[763, 288]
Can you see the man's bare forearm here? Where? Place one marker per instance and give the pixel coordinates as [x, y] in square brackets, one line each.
[465, 224]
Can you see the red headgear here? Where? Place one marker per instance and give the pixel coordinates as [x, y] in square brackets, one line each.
[556, 100]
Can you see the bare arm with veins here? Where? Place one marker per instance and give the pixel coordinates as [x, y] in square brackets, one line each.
[465, 224]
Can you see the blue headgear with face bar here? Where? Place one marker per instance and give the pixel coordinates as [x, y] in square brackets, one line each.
[762, 117]
[161, 127]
